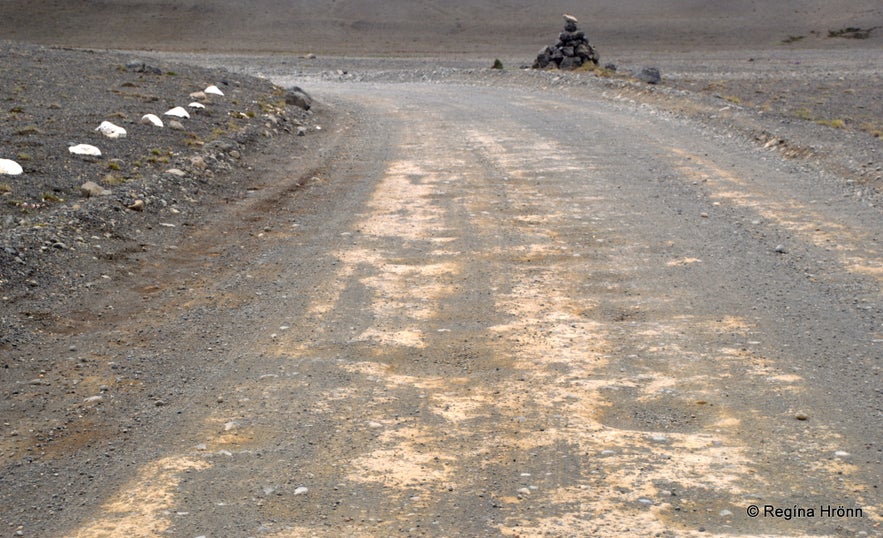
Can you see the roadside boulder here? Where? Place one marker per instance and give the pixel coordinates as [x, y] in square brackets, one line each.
[650, 75]
[138, 66]
[90, 189]
[299, 98]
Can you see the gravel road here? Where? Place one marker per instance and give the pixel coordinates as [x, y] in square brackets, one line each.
[486, 310]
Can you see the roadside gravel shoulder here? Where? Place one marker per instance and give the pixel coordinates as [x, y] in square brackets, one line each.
[55, 240]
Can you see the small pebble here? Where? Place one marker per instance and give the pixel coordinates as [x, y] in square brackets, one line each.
[301, 491]
[801, 416]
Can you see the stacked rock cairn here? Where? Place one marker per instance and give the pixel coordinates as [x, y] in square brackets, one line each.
[572, 50]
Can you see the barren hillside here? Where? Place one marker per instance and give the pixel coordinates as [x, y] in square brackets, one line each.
[489, 28]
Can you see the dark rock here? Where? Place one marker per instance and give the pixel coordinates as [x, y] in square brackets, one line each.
[140, 67]
[650, 75]
[570, 62]
[299, 98]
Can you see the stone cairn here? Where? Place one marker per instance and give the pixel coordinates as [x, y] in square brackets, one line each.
[572, 50]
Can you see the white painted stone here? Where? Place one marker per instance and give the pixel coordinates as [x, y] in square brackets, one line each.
[213, 90]
[151, 119]
[85, 149]
[10, 168]
[178, 112]
[110, 130]
[196, 105]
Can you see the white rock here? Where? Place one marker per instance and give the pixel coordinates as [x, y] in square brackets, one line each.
[178, 112]
[194, 104]
[110, 130]
[213, 90]
[85, 149]
[10, 168]
[151, 119]
[301, 491]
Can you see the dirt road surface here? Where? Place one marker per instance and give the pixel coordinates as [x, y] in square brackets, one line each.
[490, 312]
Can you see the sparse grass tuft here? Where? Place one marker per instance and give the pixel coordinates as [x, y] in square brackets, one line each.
[25, 156]
[792, 39]
[192, 140]
[835, 123]
[5, 188]
[50, 198]
[803, 113]
[113, 180]
[852, 32]
[497, 64]
[29, 130]
[874, 130]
